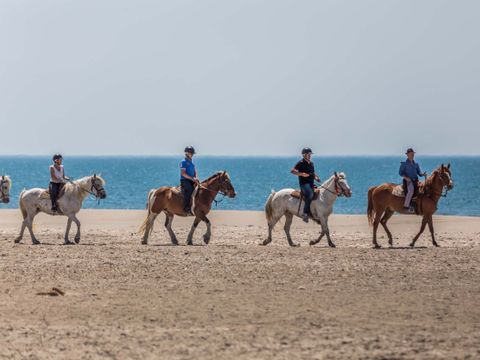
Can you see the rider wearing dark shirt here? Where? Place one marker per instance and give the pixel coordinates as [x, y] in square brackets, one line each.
[305, 170]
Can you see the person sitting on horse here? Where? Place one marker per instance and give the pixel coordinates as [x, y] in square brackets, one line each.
[305, 170]
[57, 180]
[188, 178]
[410, 171]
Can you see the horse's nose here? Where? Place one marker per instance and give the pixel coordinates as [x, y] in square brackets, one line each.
[103, 196]
[6, 200]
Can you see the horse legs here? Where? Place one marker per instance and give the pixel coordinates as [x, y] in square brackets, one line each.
[67, 230]
[168, 225]
[422, 228]
[22, 230]
[208, 233]
[30, 229]
[77, 222]
[376, 222]
[270, 230]
[386, 216]
[430, 227]
[192, 230]
[286, 228]
[149, 226]
[325, 231]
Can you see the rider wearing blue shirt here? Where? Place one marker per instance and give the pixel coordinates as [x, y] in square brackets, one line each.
[410, 171]
[188, 177]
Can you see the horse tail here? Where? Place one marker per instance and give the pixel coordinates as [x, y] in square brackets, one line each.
[370, 209]
[269, 208]
[21, 205]
[147, 218]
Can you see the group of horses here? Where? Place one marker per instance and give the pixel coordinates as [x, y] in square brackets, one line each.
[383, 201]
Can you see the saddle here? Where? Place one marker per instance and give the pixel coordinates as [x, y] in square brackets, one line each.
[45, 195]
[297, 194]
[401, 189]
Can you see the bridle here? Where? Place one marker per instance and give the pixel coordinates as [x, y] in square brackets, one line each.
[2, 193]
[444, 185]
[220, 191]
[339, 190]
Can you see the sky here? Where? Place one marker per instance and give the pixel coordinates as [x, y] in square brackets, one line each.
[243, 77]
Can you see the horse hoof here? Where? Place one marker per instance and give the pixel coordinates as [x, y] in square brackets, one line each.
[412, 245]
[189, 243]
[77, 240]
[376, 246]
[144, 242]
[294, 245]
[67, 243]
[313, 242]
[206, 239]
[332, 245]
[17, 241]
[35, 242]
[436, 245]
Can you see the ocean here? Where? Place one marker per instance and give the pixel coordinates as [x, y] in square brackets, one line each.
[130, 178]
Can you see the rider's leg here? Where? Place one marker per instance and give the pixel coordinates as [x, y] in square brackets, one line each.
[307, 191]
[409, 194]
[54, 188]
[187, 190]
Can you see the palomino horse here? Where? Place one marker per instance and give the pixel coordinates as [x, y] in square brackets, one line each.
[282, 203]
[5, 185]
[74, 193]
[169, 199]
[382, 203]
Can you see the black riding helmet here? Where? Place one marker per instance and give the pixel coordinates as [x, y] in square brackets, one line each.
[190, 149]
[306, 150]
[57, 156]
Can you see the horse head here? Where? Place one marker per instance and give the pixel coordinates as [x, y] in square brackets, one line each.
[224, 184]
[97, 186]
[445, 175]
[5, 184]
[341, 185]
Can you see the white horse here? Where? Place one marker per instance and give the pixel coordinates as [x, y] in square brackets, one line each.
[282, 203]
[37, 200]
[5, 185]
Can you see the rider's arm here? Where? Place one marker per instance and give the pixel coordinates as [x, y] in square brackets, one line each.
[186, 176]
[52, 174]
[401, 171]
[317, 177]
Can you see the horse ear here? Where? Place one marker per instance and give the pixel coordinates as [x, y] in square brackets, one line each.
[441, 167]
[3, 177]
[448, 166]
[94, 176]
[335, 173]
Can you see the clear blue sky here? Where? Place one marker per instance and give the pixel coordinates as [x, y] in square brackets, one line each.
[245, 77]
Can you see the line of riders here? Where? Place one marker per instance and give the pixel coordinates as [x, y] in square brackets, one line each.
[194, 198]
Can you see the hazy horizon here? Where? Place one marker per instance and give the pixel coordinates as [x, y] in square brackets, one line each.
[244, 78]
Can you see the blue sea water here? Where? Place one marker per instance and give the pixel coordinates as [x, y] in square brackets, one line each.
[130, 178]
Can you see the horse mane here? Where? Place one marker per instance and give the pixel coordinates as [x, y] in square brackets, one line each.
[7, 179]
[70, 188]
[218, 173]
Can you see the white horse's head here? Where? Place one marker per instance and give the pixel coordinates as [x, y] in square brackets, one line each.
[97, 186]
[341, 185]
[5, 184]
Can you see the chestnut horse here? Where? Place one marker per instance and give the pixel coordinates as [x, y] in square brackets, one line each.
[382, 203]
[169, 200]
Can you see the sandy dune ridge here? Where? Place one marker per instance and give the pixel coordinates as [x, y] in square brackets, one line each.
[235, 299]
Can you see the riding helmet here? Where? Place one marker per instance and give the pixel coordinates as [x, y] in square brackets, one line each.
[306, 150]
[190, 149]
[410, 150]
[57, 156]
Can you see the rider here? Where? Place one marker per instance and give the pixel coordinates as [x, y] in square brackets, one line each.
[188, 178]
[57, 179]
[305, 170]
[410, 171]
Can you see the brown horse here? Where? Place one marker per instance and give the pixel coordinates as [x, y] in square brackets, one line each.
[169, 200]
[382, 203]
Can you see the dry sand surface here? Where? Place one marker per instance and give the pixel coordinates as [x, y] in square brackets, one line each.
[235, 299]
